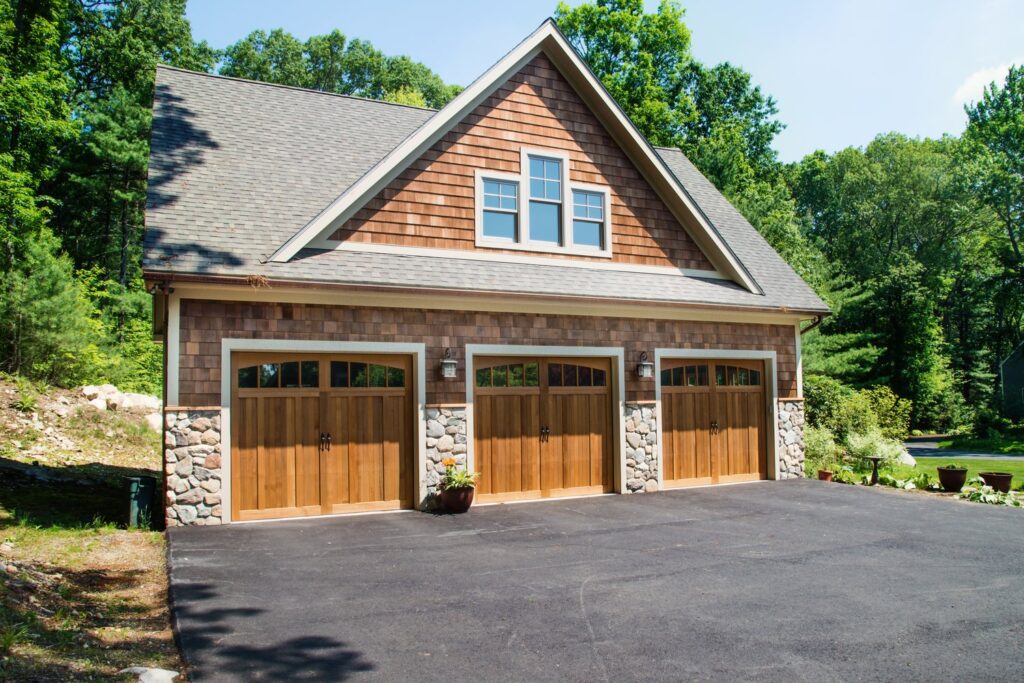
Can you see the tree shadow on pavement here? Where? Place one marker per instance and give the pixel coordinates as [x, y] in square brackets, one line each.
[204, 634]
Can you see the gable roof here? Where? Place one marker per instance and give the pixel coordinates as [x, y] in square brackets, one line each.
[549, 40]
[237, 167]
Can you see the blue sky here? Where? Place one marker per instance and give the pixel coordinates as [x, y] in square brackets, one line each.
[842, 71]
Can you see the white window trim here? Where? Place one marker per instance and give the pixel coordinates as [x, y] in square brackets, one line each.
[487, 240]
[523, 179]
[606, 227]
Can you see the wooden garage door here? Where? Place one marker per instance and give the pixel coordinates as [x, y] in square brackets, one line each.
[714, 415]
[315, 434]
[542, 427]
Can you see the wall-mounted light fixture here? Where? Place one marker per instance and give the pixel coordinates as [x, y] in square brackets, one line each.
[645, 368]
[449, 365]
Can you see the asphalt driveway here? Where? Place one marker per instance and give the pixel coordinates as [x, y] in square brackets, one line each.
[772, 581]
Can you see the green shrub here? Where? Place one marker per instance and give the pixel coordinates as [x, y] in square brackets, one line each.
[891, 411]
[842, 410]
[871, 443]
[821, 450]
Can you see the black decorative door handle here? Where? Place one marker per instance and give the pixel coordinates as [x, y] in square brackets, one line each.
[328, 441]
[545, 434]
[323, 441]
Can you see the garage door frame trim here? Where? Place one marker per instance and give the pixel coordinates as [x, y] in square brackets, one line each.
[616, 353]
[771, 372]
[233, 345]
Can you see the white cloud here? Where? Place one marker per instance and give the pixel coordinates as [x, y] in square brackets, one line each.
[974, 85]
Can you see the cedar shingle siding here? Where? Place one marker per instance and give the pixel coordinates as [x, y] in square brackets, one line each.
[205, 323]
[431, 203]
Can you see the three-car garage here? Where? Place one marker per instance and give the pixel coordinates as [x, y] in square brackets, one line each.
[326, 433]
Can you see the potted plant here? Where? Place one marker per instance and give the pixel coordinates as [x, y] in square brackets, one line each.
[1000, 481]
[952, 477]
[456, 486]
[821, 449]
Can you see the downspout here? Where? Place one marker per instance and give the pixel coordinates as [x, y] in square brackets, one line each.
[817, 321]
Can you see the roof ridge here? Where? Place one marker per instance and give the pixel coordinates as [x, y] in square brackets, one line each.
[283, 86]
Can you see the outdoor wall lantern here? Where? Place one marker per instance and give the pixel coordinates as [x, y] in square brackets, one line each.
[448, 365]
[645, 368]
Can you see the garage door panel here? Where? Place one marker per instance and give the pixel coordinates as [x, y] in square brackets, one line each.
[276, 461]
[244, 448]
[280, 466]
[695, 395]
[307, 451]
[515, 403]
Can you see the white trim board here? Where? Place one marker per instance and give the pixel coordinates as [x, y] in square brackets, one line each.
[771, 379]
[616, 353]
[494, 304]
[549, 40]
[233, 345]
[470, 255]
[173, 343]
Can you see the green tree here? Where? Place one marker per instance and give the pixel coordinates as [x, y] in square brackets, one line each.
[332, 63]
[34, 117]
[996, 130]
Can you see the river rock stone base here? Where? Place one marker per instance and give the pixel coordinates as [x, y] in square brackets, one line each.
[192, 467]
[791, 439]
[446, 438]
[641, 448]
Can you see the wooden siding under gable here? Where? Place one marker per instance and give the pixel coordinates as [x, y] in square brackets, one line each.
[431, 203]
[204, 324]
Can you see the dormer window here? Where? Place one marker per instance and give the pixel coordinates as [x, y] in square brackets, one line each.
[501, 210]
[555, 215]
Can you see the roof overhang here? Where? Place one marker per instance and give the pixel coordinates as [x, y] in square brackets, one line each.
[229, 287]
[549, 40]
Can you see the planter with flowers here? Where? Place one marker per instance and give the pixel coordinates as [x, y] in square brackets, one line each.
[456, 486]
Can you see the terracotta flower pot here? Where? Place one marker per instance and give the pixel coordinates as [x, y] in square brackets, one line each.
[457, 501]
[824, 475]
[952, 479]
[1000, 481]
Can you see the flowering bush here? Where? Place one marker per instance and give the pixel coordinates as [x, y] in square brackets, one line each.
[455, 477]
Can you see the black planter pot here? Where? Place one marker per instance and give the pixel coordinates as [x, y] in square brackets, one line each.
[952, 478]
[1000, 481]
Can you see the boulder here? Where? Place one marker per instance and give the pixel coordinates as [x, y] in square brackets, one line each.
[98, 403]
[103, 391]
[155, 422]
[139, 402]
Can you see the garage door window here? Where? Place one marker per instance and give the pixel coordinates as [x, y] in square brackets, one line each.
[732, 376]
[685, 376]
[287, 375]
[355, 375]
[569, 375]
[512, 375]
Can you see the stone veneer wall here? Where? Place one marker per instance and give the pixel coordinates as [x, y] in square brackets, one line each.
[791, 439]
[446, 437]
[641, 448]
[192, 467]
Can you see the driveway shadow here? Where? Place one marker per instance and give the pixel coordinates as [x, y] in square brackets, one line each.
[201, 629]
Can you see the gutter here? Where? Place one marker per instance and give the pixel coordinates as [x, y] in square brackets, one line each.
[168, 277]
[818, 319]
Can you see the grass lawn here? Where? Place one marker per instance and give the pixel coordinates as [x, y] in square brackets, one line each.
[973, 465]
[1003, 444]
[79, 599]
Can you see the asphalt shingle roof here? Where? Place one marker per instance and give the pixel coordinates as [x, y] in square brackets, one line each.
[238, 167]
